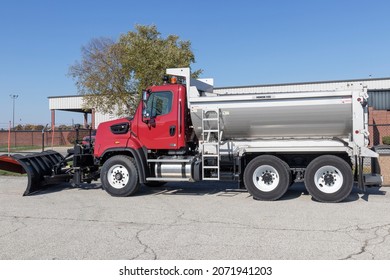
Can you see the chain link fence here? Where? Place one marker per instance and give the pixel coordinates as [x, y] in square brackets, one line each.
[24, 140]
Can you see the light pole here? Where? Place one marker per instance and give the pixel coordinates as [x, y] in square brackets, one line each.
[13, 96]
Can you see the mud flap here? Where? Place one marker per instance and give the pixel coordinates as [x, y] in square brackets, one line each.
[38, 166]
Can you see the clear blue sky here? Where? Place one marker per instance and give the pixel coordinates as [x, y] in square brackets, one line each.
[235, 42]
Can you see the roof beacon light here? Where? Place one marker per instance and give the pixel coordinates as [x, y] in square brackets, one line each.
[173, 80]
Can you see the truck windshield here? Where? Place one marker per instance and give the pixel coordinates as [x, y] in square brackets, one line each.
[159, 103]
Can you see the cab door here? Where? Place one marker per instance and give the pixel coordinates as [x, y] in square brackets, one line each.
[161, 129]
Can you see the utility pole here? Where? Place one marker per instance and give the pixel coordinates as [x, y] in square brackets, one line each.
[13, 96]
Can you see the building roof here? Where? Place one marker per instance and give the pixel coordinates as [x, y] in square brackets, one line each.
[370, 80]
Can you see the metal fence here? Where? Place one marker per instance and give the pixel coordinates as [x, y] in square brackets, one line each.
[22, 140]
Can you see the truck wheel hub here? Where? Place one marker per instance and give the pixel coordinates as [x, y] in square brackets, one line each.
[329, 180]
[267, 178]
[118, 176]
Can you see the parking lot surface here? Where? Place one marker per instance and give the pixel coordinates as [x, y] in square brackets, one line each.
[207, 220]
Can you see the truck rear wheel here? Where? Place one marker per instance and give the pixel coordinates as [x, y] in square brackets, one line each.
[267, 177]
[119, 176]
[329, 179]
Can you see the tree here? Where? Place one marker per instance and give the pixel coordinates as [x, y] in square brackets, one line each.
[147, 55]
[19, 127]
[39, 127]
[29, 127]
[101, 77]
[64, 127]
[111, 75]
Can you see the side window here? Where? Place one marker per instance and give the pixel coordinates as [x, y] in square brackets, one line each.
[159, 103]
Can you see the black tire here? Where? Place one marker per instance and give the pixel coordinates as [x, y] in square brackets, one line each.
[290, 180]
[155, 184]
[267, 177]
[119, 176]
[329, 178]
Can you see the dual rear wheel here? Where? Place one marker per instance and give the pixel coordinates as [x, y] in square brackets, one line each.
[328, 178]
[267, 177]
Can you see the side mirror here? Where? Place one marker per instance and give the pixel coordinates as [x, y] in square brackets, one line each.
[146, 118]
[145, 96]
[145, 114]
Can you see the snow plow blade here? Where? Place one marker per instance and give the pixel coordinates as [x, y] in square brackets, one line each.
[40, 167]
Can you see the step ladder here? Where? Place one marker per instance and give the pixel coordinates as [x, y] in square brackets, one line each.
[211, 133]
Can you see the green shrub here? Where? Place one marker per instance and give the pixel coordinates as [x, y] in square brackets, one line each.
[386, 140]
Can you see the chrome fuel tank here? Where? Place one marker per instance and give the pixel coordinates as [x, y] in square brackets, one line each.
[277, 115]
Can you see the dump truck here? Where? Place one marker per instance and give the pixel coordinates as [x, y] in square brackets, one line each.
[182, 131]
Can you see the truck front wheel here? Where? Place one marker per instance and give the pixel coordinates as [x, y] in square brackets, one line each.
[329, 178]
[267, 177]
[119, 176]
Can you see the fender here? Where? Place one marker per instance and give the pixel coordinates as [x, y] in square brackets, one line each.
[138, 155]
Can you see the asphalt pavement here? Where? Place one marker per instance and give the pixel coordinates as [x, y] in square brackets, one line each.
[206, 220]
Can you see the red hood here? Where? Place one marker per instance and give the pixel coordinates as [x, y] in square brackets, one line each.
[112, 134]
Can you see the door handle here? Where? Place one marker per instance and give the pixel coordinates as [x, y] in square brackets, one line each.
[172, 130]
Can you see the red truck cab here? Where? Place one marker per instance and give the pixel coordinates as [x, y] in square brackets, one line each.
[161, 126]
[159, 123]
